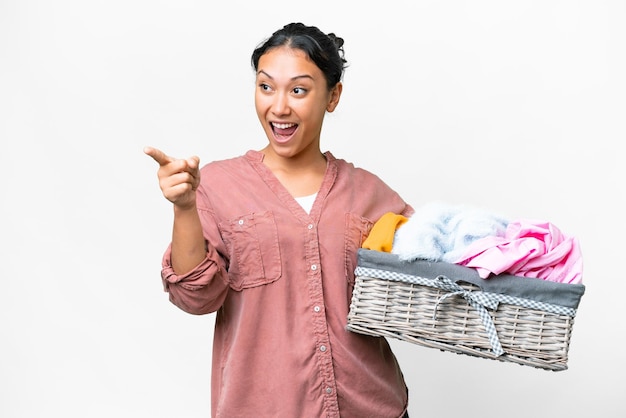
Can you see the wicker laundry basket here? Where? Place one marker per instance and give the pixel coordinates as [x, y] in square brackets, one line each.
[449, 307]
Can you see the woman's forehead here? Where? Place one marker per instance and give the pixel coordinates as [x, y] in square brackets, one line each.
[285, 62]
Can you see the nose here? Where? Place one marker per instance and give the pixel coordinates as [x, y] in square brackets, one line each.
[280, 104]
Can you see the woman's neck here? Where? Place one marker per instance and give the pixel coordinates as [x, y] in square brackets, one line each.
[301, 175]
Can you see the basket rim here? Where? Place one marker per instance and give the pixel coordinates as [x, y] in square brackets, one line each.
[440, 283]
[529, 288]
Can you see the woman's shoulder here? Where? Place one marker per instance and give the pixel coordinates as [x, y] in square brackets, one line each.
[346, 167]
[232, 163]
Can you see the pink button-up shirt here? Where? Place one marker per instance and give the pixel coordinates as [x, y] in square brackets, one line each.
[281, 282]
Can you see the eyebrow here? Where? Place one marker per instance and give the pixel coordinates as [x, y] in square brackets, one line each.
[292, 78]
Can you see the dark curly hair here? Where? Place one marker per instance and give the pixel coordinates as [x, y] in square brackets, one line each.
[325, 50]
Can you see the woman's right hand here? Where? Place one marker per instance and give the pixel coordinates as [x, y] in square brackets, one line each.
[178, 178]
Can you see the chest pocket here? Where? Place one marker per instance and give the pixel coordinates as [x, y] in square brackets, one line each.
[357, 229]
[252, 243]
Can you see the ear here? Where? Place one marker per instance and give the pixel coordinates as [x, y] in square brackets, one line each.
[335, 94]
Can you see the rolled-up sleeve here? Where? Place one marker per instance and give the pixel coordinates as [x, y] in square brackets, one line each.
[199, 291]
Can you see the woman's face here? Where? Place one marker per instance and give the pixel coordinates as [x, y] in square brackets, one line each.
[291, 100]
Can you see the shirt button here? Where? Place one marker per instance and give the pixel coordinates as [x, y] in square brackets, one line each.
[310, 226]
[329, 390]
[317, 309]
[322, 348]
[314, 267]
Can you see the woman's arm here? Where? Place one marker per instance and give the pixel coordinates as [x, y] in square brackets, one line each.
[179, 180]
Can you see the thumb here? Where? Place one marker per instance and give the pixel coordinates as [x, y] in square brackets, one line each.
[194, 162]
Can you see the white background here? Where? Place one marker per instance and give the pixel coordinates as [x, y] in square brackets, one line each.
[514, 106]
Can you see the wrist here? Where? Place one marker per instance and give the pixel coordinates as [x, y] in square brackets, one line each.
[184, 209]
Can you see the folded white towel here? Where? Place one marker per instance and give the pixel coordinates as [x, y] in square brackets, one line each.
[441, 232]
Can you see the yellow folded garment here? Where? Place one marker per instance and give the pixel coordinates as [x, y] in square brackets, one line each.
[382, 233]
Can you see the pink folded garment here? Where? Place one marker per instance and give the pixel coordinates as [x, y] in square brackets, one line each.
[529, 249]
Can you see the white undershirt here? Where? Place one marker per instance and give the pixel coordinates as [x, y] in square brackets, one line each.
[306, 201]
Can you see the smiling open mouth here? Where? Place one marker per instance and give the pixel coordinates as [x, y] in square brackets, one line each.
[284, 131]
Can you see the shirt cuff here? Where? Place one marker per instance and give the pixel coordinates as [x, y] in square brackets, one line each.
[198, 277]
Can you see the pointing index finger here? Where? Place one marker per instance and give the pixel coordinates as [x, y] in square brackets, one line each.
[158, 155]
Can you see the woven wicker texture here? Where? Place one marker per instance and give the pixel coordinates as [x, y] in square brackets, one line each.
[406, 311]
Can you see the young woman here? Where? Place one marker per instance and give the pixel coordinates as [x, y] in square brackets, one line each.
[268, 240]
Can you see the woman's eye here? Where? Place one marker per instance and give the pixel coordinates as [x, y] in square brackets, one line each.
[299, 90]
[264, 87]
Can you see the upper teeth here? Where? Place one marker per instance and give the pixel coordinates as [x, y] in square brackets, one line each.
[283, 125]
